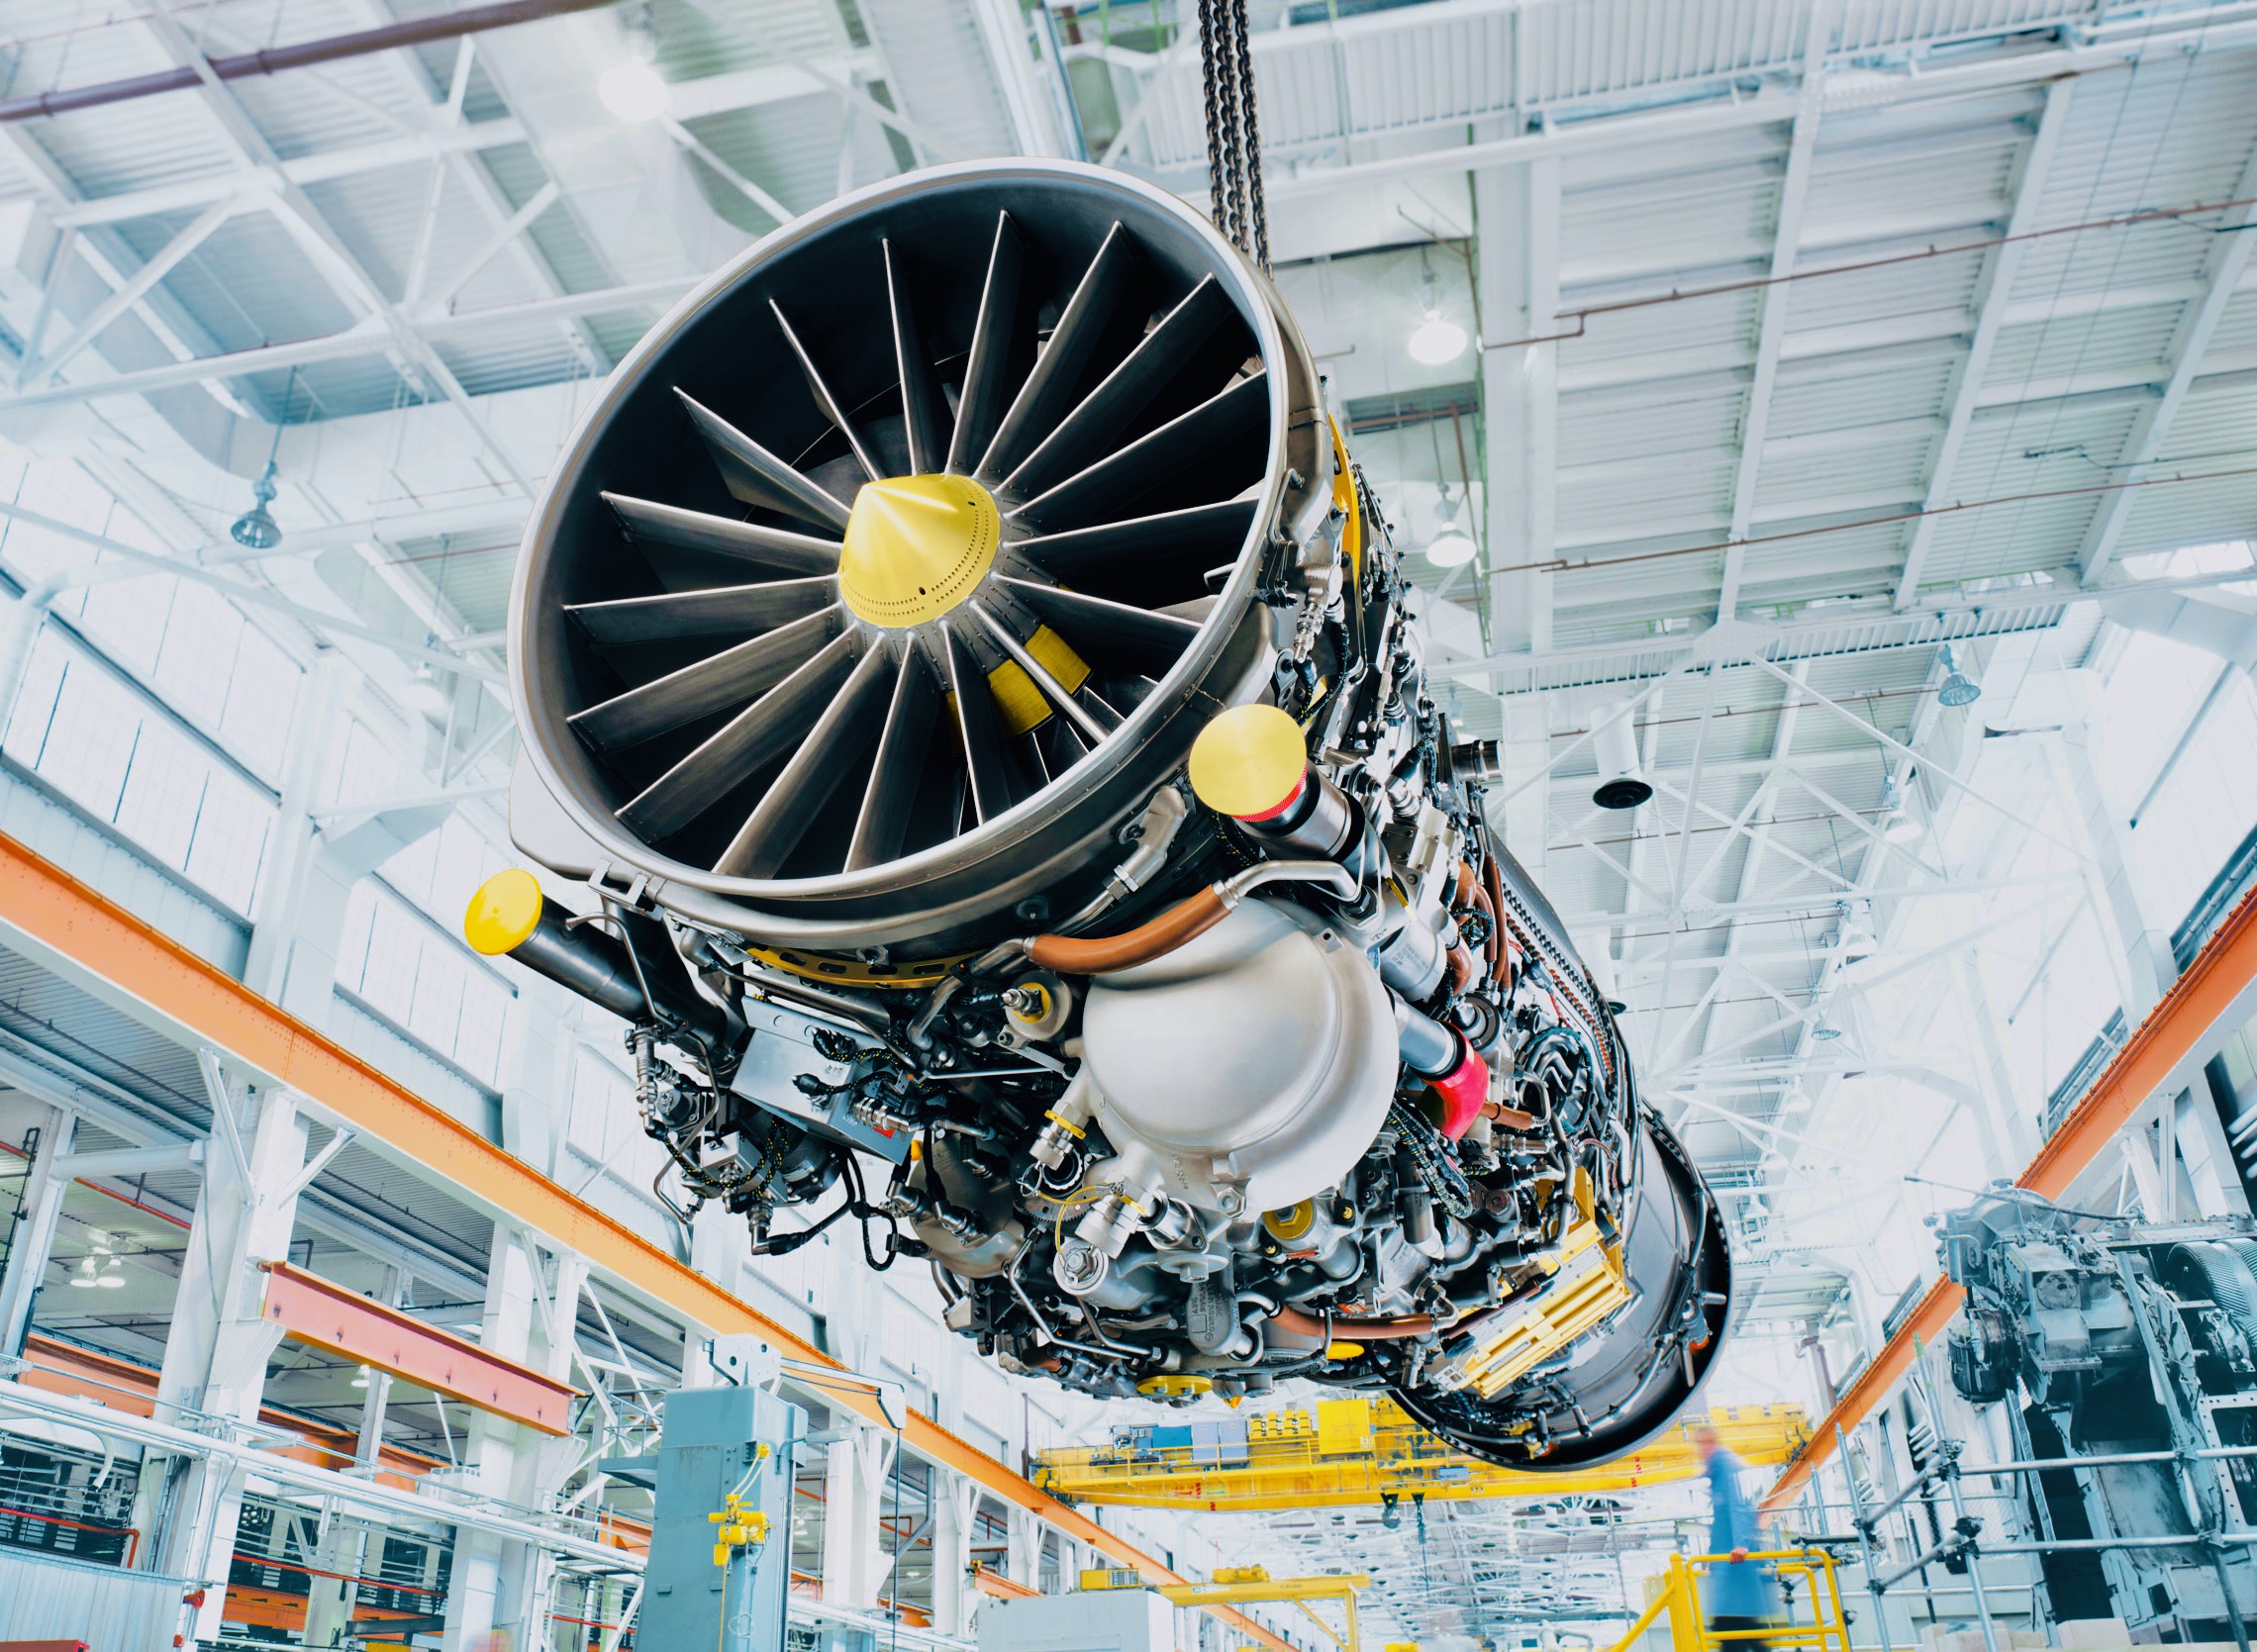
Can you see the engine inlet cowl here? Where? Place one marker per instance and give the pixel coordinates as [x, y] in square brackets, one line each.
[898, 564]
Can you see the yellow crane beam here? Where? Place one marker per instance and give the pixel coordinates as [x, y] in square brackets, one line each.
[1239, 1586]
[1362, 1451]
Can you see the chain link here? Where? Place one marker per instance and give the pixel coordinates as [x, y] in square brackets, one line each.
[1233, 139]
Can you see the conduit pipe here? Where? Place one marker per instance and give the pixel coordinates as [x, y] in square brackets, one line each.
[304, 54]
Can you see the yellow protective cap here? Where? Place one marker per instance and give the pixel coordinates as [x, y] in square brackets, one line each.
[503, 911]
[917, 547]
[1291, 1223]
[1249, 761]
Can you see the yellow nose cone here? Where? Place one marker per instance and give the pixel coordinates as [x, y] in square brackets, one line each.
[916, 547]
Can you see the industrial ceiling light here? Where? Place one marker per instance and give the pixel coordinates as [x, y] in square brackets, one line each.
[1825, 1032]
[1796, 1100]
[1898, 822]
[1855, 936]
[256, 529]
[1438, 339]
[84, 1279]
[422, 691]
[1614, 744]
[1452, 547]
[1959, 689]
[632, 89]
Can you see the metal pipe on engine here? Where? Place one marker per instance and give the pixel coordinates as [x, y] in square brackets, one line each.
[509, 917]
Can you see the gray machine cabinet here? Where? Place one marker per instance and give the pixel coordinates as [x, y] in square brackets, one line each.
[710, 1440]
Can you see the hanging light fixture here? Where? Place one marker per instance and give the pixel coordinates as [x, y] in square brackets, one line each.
[1796, 1100]
[632, 88]
[1959, 689]
[1438, 339]
[257, 529]
[1452, 547]
[1854, 936]
[1898, 822]
[1621, 782]
[422, 691]
[1824, 1032]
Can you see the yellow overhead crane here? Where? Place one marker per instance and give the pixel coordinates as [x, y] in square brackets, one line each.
[1362, 1451]
[1250, 1584]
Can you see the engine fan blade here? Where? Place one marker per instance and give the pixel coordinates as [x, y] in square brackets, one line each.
[1151, 640]
[984, 759]
[883, 822]
[750, 542]
[825, 401]
[1065, 357]
[749, 740]
[1121, 550]
[985, 369]
[1081, 500]
[1052, 690]
[1080, 441]
[683, 614]
[710, 685]
[795, 796]
[922, 408]
[757, 476]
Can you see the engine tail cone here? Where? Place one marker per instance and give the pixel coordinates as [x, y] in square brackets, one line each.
[916, 547]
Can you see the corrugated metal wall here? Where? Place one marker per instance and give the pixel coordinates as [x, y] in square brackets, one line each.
[61, 1600]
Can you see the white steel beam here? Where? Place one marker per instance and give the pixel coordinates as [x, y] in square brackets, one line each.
[1993, 290]
[136, 288]
[1874, 89]
[2235, 242]
[1771, 331]
[1516, 213]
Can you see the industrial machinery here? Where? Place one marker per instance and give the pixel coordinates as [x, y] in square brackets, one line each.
[2137, 1350]
[1357, 1452]
[985, 708]
[721, 1481]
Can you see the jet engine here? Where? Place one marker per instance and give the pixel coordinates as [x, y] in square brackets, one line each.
[983, 705]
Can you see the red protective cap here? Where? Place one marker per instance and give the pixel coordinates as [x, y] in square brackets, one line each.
[1463, 1090]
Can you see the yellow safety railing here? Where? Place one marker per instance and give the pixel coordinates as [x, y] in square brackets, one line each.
[1679, 1597]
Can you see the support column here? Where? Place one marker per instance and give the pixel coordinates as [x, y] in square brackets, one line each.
[497, 1583]
[218, 1344]
[33, 1239]
[955, 1515]
[1517, 219]
[2140, 949]
[854, 1561]
[286, 915]
[1026, 1539]
[2211, 1171]
[2012, 1124]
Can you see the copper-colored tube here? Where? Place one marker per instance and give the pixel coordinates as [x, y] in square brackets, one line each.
[1461, 968]
[1494, 881]
[1465, 887]
[1103, 954]
[1511, 1117]
[1354, 1330]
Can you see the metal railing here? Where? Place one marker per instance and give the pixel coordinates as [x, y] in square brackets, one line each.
[1679, 1598]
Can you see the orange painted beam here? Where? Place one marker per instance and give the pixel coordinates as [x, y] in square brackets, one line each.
[57, 1367]
[326, 1315]
[992, 1583]
[2157, 1051]
[91, 939]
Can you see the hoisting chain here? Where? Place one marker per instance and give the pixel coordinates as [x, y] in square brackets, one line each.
[1233, 137]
